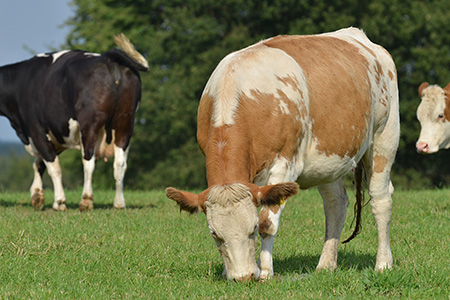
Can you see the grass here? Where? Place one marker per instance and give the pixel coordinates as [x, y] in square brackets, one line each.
[152, 251]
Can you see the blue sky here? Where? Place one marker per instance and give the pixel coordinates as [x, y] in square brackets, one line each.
[29, 27]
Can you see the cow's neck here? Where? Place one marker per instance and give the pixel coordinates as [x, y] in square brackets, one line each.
[228, 158]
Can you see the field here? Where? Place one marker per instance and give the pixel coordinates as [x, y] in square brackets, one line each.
[152, 251]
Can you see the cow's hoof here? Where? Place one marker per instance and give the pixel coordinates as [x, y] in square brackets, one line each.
[119, 206]
[87, 203]
[59, 206]
[265, 275]
[38, 200]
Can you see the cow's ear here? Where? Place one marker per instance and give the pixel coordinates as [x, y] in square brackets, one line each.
[187, 201]
[422, 87]
[447, 90]
[273, 194]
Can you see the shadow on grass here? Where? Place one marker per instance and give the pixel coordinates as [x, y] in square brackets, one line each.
[300, 265]
[307, 263]
[97, 206]
[4, 203]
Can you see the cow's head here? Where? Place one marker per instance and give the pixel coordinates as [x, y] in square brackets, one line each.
[433, 114]
[232, 216]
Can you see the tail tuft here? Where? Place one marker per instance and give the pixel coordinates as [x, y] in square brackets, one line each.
[124, 43]
[359, 201]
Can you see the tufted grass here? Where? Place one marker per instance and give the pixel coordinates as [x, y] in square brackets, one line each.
[152, 251]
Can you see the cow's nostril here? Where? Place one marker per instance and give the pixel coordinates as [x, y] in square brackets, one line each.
[422, 147]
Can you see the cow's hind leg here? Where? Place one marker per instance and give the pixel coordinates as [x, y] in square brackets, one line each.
[54, 170]
[120, 166]
[378, 162]
[335, 202]
[380, 190]
[87, 196]
[89, 138]
[36, 190]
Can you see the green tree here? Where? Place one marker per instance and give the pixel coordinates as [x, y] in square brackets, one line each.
[185, 40]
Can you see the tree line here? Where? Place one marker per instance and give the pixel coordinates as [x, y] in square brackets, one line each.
[185, 40]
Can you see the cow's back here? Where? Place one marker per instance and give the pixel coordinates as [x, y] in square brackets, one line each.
[313, 102]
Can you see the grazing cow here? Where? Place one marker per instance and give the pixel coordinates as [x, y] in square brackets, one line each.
[294, 108]
[74, 99]
[433, 114]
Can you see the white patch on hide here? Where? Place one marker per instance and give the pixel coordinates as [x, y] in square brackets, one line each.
[255, 70]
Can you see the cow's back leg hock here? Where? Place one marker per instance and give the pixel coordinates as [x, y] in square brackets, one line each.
[36, 189]
[120, 166]
[335, 202]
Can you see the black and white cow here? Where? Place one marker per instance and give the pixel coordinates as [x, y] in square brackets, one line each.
[74, 99]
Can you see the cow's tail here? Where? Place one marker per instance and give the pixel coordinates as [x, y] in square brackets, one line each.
[359, 173]
[129, 55]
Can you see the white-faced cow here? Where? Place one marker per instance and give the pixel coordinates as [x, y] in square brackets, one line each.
[74, 99]
[294, 108]
[433, 114]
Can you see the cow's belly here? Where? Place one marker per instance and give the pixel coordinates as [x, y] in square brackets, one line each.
[318, 167]
[321, 169]
[308, 168]
[74, 141]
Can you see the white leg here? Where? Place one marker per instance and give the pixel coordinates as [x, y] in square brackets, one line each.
[120, 166]
[87, 195]
[54, 170]
[36, 190]
[381, 203]
[378, 163]
[269, 221]
[335, 203]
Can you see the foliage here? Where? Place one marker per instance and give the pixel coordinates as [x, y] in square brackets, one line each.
[151, 251]
[184, 41]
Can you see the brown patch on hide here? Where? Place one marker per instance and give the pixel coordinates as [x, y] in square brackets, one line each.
[265, 225]
[236, 153]
[339, 92]
[379, 163]
[205, 110]
[391, 75]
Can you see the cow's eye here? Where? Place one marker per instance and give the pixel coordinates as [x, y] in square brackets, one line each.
[441, 116]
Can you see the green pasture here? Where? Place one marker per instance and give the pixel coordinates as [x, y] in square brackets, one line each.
[152, 251]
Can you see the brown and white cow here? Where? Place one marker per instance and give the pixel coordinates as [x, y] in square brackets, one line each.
[433, 114]
[294, 108]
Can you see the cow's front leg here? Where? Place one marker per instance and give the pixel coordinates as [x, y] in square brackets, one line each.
[120, 166]
[54, 170]
[36, 189]
[335, 202]
[269, 220]
[87, 197]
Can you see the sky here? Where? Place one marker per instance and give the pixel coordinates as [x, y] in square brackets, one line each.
[29, 27]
